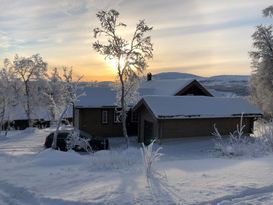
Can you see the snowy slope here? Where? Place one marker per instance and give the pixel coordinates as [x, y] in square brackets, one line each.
[190, 174]
[174, 75]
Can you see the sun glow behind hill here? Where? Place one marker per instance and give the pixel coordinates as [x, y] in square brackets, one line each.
[201, 37]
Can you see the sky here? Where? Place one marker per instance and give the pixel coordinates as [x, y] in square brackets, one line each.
[202, 37]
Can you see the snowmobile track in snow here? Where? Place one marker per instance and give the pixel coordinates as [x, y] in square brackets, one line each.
[12, 195]
[249, 196]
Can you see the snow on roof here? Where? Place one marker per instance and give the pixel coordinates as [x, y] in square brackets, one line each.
[198, 106]
[97, 97]
[163, 87]
[18, 113]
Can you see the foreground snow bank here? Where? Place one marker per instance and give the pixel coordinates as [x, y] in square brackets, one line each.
[115, 159]
[194, 175]
[12, 195]
[51, 157]
[101, 160]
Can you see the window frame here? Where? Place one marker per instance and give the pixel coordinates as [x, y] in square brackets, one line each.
[132, 117]
[115, 116]
[103, 121]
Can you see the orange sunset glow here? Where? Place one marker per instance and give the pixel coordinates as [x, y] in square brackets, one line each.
[200, 37]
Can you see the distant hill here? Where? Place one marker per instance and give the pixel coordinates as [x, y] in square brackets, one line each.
[174, 75]
[230, 78]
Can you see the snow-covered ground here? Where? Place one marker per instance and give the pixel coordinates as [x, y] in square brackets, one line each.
[190, 173]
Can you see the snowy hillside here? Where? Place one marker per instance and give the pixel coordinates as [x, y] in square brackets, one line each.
[174, 75]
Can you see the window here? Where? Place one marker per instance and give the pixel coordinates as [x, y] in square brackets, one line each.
[117, 117]
[104, 117]
[76, 119]
[134, 117]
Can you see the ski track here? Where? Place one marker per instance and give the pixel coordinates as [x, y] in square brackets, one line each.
[263, 195]
[12, 195]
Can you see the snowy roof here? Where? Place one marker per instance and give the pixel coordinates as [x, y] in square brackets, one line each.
[18, 113]
[198, 107]
[163, 87]
[97, 97]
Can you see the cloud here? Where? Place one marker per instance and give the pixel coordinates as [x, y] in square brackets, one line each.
[184, 30]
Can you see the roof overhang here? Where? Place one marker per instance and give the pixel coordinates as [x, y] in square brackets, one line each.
[180, 117]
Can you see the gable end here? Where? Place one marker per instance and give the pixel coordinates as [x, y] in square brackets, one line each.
[194, 88]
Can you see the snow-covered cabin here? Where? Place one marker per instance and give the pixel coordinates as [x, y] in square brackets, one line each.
[167, 109]
[96, 111]
[96, 114]
[164, 117]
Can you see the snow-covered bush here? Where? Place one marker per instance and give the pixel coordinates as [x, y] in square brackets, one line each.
[150, 157]
[237, 143]
[264, 132]
[115, 159]
[74, 141]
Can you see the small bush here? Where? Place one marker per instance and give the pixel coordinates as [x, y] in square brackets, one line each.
[150, 157]
[264, 133]
[237, 143]
[74, 141]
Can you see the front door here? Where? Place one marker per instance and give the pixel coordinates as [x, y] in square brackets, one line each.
[148, 132]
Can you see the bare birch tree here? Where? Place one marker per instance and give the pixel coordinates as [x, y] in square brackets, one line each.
[9, 86]
[29, 70]
[130, 55]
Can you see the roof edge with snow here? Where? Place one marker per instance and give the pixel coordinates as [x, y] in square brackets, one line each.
[193, 107]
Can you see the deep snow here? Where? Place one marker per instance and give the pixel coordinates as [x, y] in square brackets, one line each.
[190, 173]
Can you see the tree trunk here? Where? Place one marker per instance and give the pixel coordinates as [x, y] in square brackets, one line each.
[123, 114]
[28, 105]
[54, 141]
[2, 119]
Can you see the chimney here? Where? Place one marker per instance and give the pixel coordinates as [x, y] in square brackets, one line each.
[149, 76]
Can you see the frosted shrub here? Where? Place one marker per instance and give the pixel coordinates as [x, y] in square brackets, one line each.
[150, 157]
[237, 143]
[264, 133]
[74, 141]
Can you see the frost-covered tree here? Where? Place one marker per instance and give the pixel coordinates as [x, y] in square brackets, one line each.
[130, 56]
[9, 86]
[71, 92]
[131, 94]
[262, 63]
[31, 71]
[54, 95]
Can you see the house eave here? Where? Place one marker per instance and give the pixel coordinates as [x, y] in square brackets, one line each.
[93, 107]
[179, 117]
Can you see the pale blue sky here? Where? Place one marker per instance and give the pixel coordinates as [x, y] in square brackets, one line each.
[202, 37]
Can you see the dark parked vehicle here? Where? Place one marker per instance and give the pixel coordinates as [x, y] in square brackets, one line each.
[96, 143]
